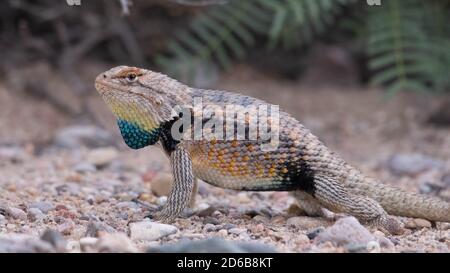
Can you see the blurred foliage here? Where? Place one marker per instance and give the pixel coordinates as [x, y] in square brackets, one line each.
[406, 42]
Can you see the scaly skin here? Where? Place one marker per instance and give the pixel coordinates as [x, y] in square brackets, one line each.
[145, 102]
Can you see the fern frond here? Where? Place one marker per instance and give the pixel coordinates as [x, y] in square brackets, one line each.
[225, 32]
[404, 53]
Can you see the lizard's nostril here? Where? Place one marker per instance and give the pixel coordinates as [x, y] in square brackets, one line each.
[104, 76]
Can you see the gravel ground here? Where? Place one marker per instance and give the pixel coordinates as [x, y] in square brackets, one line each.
[59, 196]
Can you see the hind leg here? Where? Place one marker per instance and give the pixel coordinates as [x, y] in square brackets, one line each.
[309, 204]
[194, 194]
[332, 195]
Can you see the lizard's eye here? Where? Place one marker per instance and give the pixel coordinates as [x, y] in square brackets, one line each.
[131, 77]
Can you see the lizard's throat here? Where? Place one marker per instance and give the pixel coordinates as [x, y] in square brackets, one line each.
[136, 121]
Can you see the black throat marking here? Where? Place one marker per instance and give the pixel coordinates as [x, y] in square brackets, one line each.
[168, 142]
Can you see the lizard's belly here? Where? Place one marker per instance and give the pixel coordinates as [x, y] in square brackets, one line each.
[239, 167]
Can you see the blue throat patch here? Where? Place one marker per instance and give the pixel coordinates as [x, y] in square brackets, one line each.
[135, 137]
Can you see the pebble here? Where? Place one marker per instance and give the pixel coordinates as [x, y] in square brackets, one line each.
[228, 226]
[66, 227]
[373, 247]
[412, 164]
[101, 157]
[127, 205]
[313, 233]
[305, 222]
[204, 210]
[418, 224]
[44, 207]
[55, 239]
[346, 231]
[95, 228]
[73, 137]
[237, 231]
[161, 184]
[73, 246]
[222, 233]
[12, 154]
[22, 243]
[257, 228]
[243, 198]
[211, 220]
[150, 231]
[260, 219]
[85, 167]
[161, 200]
[87, 243]
[294, 209]
[16, 213]
[115, 242]
[35, 214]
[209, 228]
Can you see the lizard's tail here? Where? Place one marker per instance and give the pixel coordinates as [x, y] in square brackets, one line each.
[400, 203]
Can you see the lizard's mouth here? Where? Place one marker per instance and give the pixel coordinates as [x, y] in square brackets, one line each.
[104, 86]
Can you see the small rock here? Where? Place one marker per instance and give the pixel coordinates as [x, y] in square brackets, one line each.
[204, 210]
[228, 226]
[161, 200]
[127, 205]
[211, 220]
[446, 179]
[73, 247]
[237, 231]
[74, 137]
[55, 239]
[35, 214]
[12, 154]
[150, 231]
[222, 233]
[294, 209]
[87, 243]
[209, 228]
[418, 224]
[128, 196]
[373, 247]
[243, 198]
[257, 228]
[260, 219]
[96, 228]
[85, 167]
[115, 242]
[66, 227]
[412, 164]
[44, 207]
[161, 184]
[22, 243]
[101, 157]
[313, 233]
[305, 222]
[16, 213]
[346, 231]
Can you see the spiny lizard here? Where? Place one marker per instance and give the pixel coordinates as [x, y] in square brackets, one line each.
[146, 104]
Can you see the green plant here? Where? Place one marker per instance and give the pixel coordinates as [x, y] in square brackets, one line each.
[408, 45]
[406, 41]
[229, 31]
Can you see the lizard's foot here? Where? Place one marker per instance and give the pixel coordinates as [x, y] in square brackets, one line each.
[163, 217]
[387, 225]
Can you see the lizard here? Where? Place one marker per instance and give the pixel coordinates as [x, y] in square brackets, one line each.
[146, 105]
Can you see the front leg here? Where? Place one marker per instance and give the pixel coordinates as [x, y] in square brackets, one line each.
[182, 188]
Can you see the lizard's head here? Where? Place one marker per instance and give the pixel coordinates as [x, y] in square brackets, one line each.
[141, 100]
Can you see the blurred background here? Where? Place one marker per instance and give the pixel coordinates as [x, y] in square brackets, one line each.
[369, 77]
